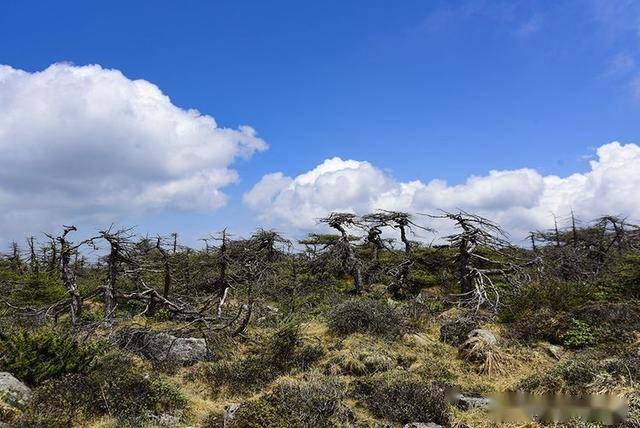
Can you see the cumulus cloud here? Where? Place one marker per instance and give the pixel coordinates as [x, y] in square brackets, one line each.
[87, 143]
[521, 200]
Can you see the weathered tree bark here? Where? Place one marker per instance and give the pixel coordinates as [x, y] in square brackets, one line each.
[166, 265]
[118, 242]
[222, 284]
[33, 259]
[337, 221]
[68, 276]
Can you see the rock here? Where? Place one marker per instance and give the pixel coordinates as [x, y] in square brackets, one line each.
[555, 351]
[13, 392]
[168, 420]
[468, 403]
[422, 425]
[180, 350]
[229, 413]
[483, 334]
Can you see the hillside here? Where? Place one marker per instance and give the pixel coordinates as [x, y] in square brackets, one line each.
[367, 326]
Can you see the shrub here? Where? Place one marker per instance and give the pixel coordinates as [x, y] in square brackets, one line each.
[118, 388]
[455, 332]
[403, 397]
[64, 401]
[588, 373]
[616, 322]
[541, 324]
[315, 402]
[279, 352]
[555, 296]
[241, 375]
[579, 335]
[35, 356]
[38, 289]
[130, 395]
[365, 316]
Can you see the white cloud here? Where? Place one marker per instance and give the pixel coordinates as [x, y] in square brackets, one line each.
[87, 143]
[521, 200]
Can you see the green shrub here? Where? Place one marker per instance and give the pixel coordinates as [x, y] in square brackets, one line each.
[579, 335]
[587, 373]
[68, 400]
[615, 321]
[130, 394]
[279, 352]
[365, 316]
[315, 402]
[38, 289]
[286, 348]
[118, 388]
[555, 296]
[403, 397]
[240, 375]
[162, 315]
[35, 356]
[456, 331]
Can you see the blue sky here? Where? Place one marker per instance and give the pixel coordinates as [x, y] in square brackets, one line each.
[422, 90]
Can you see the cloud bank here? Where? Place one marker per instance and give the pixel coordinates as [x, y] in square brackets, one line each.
[87, 143]
[521, 200]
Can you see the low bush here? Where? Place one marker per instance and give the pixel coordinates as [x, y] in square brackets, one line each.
[365, 316]
[403, 397]
[314, 402]
[118, 388]
[588, 373]
[38, 289]
[541, 324]
[455, 332]
[615, 322]
[65, 401]
[279, 352]
[35, 356]
[130, 394]
[518, 303]
[579, 335]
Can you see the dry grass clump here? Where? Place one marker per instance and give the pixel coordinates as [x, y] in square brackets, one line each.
[488, 357]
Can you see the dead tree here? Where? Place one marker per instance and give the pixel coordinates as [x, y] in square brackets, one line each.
[222, 284]
[53, 259]
[33, 258]
[474, 270]
[166, 267]
[404, 223]
[68, 274]
[119, 252]
[257, 258]
[584, 253]
[376, 243]
[340, 222]
[15, 261]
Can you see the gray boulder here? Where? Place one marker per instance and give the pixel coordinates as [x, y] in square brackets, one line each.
[555, 351]
[468, 403]
[229, 413]
[13, 392]
[483, 334]
[179, 350]
[422, 425]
